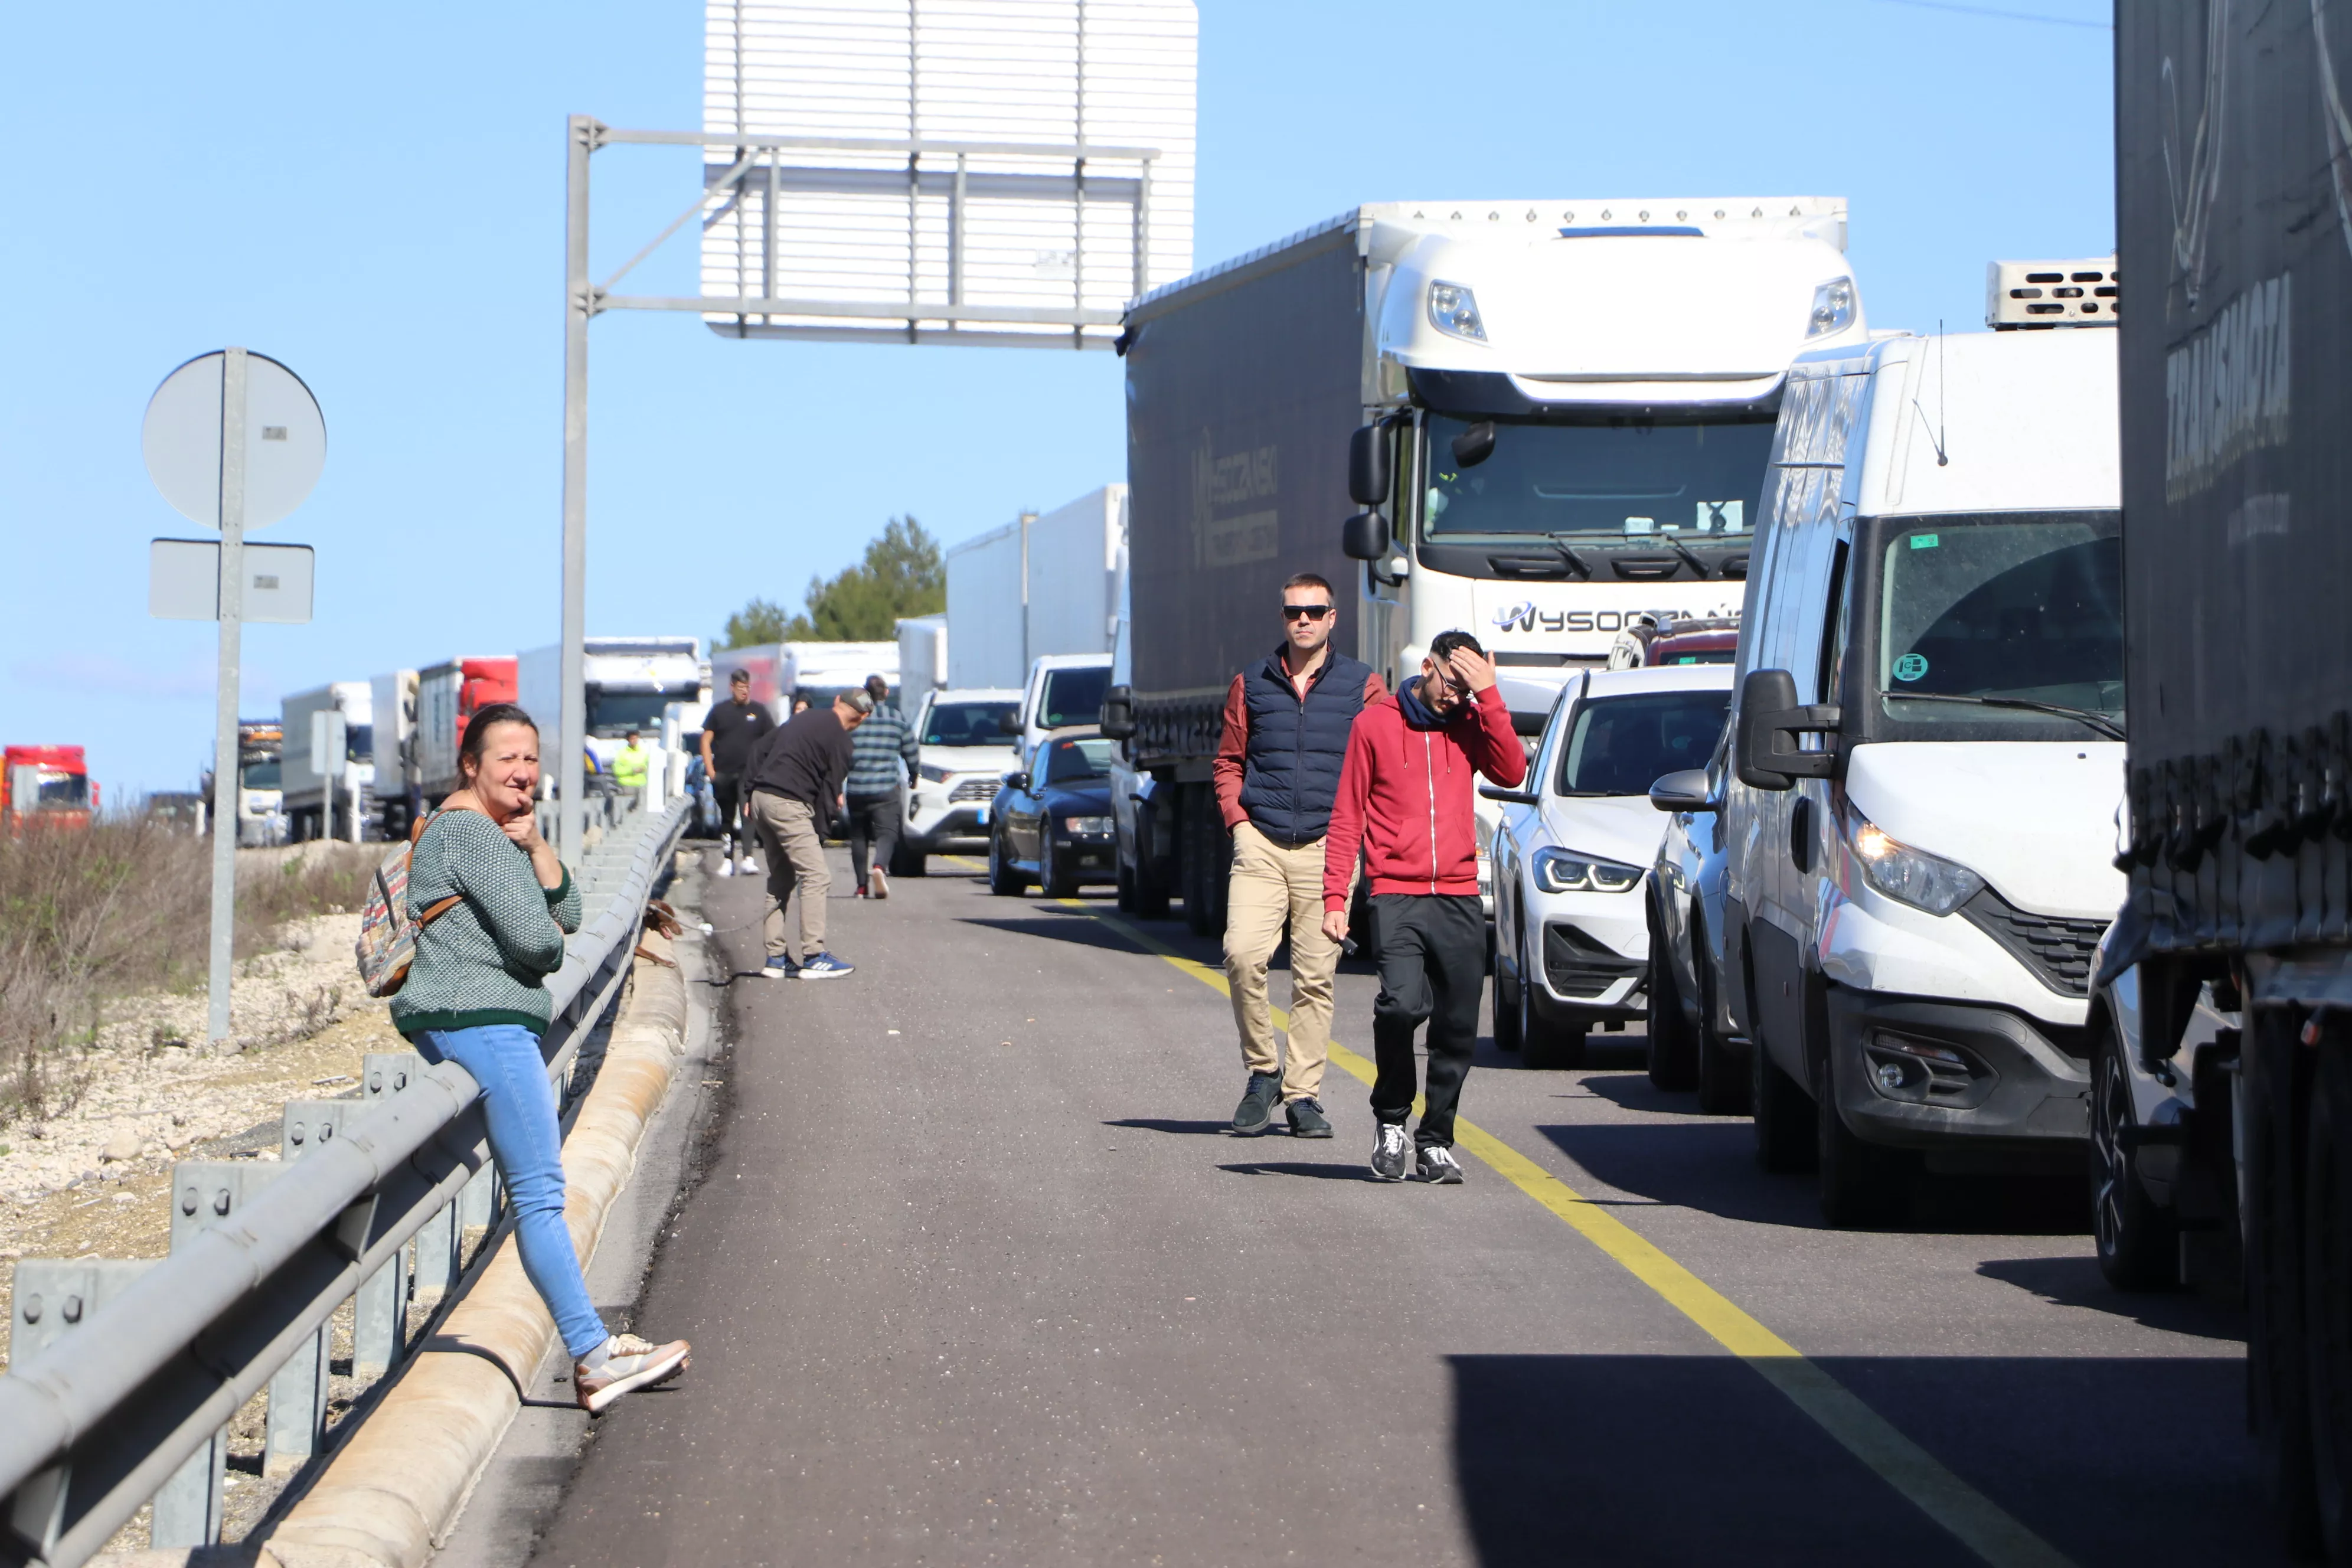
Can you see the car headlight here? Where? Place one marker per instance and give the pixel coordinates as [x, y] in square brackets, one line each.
[1910, 876]
[1454, 311]
[1084, 825]
[1833, 307]
[936, 773]
[1557, 871]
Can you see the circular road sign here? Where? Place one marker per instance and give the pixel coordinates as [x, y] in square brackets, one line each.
[285, 439]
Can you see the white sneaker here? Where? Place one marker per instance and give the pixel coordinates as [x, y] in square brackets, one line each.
[1390, 1148]
[727, 868]
[876, 883]
[629, 1364]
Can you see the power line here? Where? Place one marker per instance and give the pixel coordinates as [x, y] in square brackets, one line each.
[2004, 16]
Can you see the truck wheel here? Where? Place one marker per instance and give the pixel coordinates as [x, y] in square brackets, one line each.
[1673, 1046]
[1126, 887]
[1722, 1075]
[2139, 1242]
[2328, 1294]
[1784, 1117]
[1003, 879]
[2278, 1395]
[1860, 1183]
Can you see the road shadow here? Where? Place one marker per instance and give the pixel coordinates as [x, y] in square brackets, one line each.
[2077, 1282]
[1313, 1169]
[1634, 1092]
[1166, 1124]
[1671, 1459]
[1057, 925]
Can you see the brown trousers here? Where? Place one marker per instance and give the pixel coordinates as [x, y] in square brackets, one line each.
[795, 850]
[1272, 888]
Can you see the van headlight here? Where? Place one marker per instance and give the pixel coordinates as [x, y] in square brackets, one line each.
[1910, 876]
[1454, 311]
[1833, 307]
[1559, 872]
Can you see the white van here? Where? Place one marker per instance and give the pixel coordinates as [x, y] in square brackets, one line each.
[1927, 758]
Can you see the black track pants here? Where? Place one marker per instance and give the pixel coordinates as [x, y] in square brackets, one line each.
[1433, 968]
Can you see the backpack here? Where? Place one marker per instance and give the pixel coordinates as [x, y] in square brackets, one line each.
[387, 943]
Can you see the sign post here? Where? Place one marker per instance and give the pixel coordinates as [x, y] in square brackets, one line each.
[236, 440]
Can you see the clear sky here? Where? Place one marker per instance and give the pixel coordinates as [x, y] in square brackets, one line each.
[374, 194]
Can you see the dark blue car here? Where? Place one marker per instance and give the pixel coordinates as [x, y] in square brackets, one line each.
[1052, 825]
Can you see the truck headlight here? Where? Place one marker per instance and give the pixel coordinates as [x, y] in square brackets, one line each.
[1910, 876]
[1454, 311]
[1557, 871]
[1080, 826]
[1833, 307]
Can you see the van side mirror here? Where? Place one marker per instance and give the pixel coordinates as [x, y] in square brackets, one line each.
[1368, 467]
[1475, 445]
[1365, 537]
[1683, 791]
[1119, 712]
[1765, 752]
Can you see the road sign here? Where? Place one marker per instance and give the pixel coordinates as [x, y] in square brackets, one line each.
[183, 580]
[285, 439]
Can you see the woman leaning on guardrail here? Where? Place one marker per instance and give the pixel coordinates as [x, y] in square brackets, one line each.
[477, 995]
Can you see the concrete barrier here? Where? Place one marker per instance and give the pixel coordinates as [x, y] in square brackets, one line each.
[395, 1488]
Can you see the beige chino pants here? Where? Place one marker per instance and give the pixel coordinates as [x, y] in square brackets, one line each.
[1270, 888]
[788, 832]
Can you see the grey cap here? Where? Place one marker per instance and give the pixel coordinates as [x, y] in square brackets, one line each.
[857, 699]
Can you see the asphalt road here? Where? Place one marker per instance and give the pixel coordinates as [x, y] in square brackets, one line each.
[977, 1275]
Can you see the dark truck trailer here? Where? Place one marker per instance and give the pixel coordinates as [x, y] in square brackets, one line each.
[2234, 197]
[1242, 390]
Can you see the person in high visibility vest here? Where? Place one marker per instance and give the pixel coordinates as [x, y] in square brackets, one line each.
[629, 766]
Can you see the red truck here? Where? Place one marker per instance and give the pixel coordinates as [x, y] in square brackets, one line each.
[47, 785]
[448, 695]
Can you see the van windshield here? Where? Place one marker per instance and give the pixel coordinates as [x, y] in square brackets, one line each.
[1073, 696]
[1622, 478]
[2022, 609]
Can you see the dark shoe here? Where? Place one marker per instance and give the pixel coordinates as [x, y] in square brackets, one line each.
[1306, 1119]
[1388, 1152]
[1438, 1164]
[1256, 1108]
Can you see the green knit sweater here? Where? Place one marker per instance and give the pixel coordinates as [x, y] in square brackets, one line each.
[486, 960]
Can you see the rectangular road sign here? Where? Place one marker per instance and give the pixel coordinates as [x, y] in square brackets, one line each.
[183, 580]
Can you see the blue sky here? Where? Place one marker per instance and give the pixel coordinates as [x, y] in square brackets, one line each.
[374, 195]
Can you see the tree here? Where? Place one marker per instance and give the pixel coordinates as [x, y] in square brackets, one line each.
[902, 574]
[761, 621]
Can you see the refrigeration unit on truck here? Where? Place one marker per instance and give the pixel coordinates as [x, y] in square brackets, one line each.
[392, 699]
[46, 786]
[628, 681]
[1043, 586]
[307, 779]
[448, 695]
[1547, 418]
[2224, 992]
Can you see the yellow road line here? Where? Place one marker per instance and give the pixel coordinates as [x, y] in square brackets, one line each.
[1979, 1523]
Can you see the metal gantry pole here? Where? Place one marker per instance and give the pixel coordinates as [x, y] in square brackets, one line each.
[225, 758]
[571, 781]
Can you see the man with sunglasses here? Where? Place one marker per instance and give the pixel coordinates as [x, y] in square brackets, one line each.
[1405, 795]
[1277, 767]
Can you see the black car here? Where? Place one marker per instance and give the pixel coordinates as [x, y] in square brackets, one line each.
[1053, 824]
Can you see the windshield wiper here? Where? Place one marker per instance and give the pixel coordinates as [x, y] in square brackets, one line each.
[1571, 557]
[2084, 716]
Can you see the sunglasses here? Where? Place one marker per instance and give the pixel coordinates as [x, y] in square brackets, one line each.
[1305, 612]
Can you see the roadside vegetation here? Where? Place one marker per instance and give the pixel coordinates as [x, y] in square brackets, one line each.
[902, 574]
[122, 909]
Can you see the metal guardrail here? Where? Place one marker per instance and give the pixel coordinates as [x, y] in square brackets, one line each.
[125, 1375]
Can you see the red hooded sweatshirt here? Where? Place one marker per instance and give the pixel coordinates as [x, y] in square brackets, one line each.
[1405, 795]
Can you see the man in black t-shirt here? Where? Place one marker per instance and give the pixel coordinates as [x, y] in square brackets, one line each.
[729, 732]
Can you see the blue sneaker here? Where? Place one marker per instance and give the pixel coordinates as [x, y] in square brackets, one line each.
[781, 967]
[824, 966]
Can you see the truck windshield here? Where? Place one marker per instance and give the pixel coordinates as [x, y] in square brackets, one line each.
[261, 775]
[971, 724]
[1621, 745]
[1073, 696]
[59, 788]
[1625, 477]
[359, 742]
[613, 714]
[2003, 619]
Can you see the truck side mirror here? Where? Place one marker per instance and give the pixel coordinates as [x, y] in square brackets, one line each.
[1765, 752]
[1475, 445]
[1365, 537]
[1118, 713]
[1368, 467]
[1683, 791]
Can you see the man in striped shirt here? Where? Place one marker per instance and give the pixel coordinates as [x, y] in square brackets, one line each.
[883, 755]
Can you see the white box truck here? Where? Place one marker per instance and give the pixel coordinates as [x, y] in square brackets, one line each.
[392, 699]
[629, 682]
[922, 656]
[1042, 585]
[789, 673]
[305, 778]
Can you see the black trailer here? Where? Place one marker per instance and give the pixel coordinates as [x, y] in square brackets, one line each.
[1243, 387]
[2234, 190]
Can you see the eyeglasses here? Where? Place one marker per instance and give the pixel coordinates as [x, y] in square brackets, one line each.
[1305, 612]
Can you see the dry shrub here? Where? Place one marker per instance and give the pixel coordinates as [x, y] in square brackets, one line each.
[126, 907]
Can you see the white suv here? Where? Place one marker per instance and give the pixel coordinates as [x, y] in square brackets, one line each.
[966, 738]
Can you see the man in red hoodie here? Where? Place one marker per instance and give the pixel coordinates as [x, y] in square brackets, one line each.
[1405, 795]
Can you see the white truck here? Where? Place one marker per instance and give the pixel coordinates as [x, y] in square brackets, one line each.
[1553, 416]
[788, 673]
[629, 681]
[1041, 586]
[392, 699]
[306, 778]
[922, 656]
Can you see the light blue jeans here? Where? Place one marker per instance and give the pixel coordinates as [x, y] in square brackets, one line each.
[525, 1141]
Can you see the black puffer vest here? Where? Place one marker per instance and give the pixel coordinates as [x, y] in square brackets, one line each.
[1291, 773]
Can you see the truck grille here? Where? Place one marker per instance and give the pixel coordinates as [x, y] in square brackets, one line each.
[2057, 950]
[1579, 966]
[974, 789]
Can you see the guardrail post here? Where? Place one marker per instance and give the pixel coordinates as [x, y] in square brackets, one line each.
[55, 1296]
[380, 1318]
[298, 1391]
[205, 1193]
